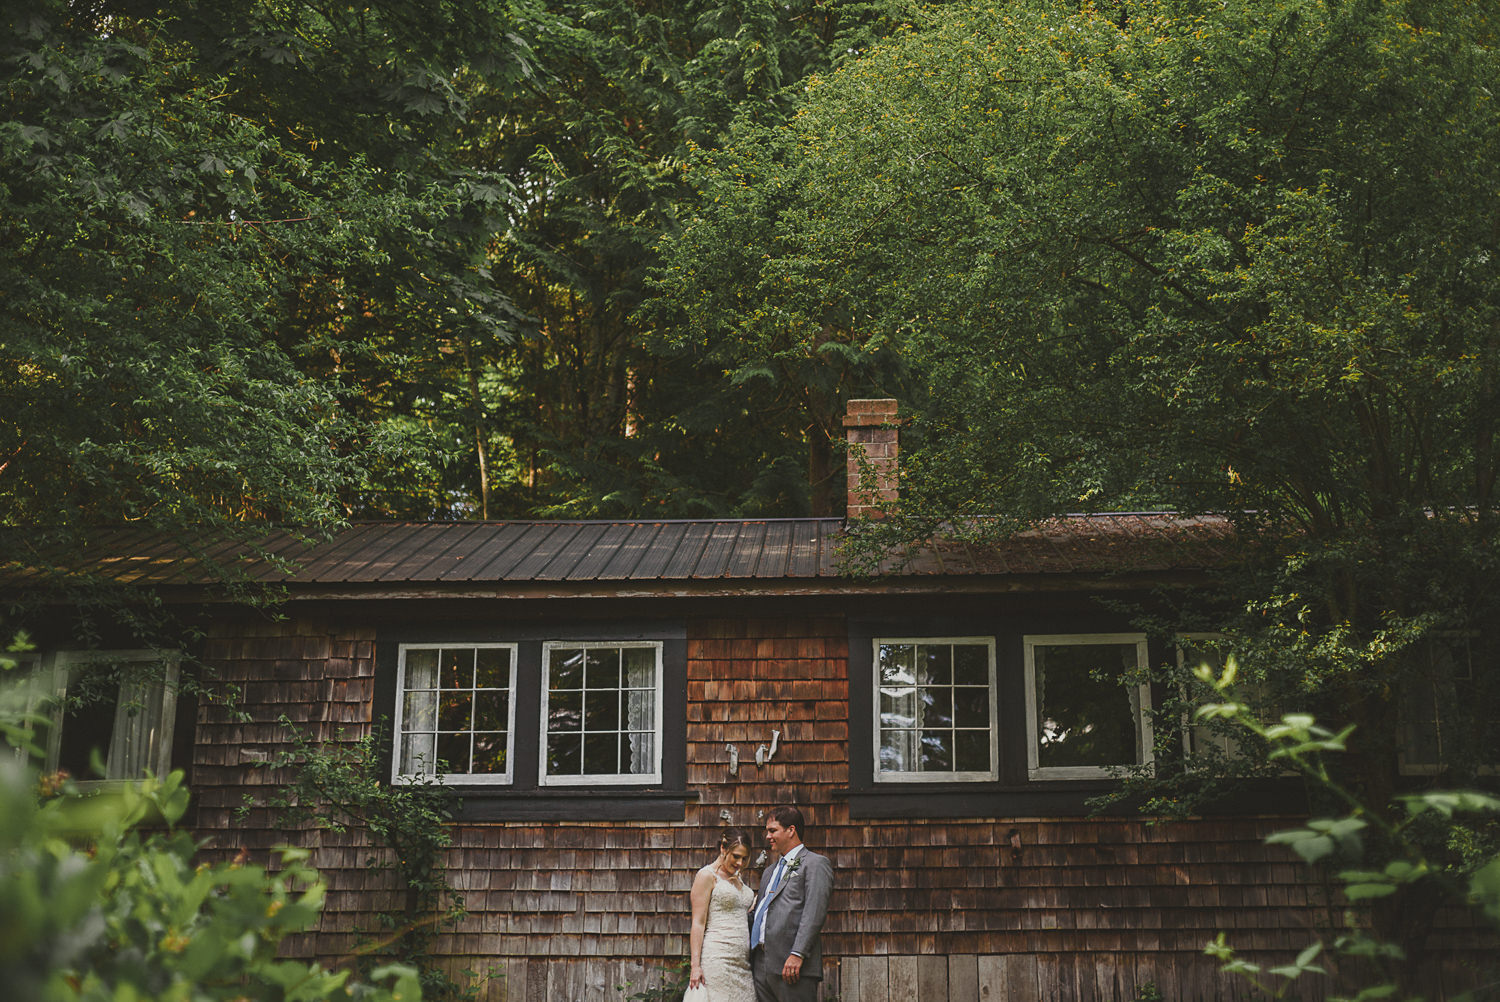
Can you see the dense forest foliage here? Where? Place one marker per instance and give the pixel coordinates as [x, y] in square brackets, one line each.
[603, 258]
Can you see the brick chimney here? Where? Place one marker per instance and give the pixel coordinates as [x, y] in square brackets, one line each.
[871, 430]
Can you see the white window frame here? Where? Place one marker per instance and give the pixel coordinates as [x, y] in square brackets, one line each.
[544, 778]
[157, 758]
[1196, 736]
[1142, 705]
[882, 776]
[454, 779]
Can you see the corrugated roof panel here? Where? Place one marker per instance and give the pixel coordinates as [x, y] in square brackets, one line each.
[745, 552]
[487, 554]
[442, 553]
[664, 547]
[688, 551]
[716, 550]
[620, 545]
[544, 551]
[807, 557]
[775, 551]
[399, 550]
[622, 549]
[571, 553]
[348, 549]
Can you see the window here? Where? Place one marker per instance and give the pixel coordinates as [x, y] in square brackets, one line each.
[456, 713]
[120, 704]
[935, 715]
[537, 721]
[1436, 732]
[1081, 722]
[601, 713]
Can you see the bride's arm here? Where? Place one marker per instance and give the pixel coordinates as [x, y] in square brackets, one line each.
[703, 889]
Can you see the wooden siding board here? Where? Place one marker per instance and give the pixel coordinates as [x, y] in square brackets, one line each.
[902, 972]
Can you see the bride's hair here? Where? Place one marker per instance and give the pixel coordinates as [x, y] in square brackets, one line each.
[733, 837]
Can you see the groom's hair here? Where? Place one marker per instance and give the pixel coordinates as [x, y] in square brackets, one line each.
[790, 817]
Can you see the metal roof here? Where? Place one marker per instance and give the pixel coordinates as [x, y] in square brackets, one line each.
[635, 551]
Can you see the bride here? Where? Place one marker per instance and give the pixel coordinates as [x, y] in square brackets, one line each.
[720, 940]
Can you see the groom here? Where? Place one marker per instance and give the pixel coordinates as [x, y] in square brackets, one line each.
[786, 958]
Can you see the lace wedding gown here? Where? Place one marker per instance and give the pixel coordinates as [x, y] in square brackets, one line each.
[726, 941]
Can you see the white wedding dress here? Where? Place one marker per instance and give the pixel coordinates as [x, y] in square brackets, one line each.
[726, 941]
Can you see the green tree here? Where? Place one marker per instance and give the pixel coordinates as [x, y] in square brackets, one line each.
[596, 411]
[217, 217]
[1239, 258]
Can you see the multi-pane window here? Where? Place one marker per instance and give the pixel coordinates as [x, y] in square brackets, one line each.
[1440, 728]
[454, 713]
[117, 706]
[1083, 718]
[601, 713]
[935, 716]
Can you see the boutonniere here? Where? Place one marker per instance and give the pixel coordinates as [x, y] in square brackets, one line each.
[792, 865]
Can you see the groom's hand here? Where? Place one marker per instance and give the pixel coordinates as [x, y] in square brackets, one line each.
[792, 970]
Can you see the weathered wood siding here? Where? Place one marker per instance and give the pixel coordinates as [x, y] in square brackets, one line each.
[1023, 909]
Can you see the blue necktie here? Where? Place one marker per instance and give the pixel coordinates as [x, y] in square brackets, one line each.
[758, 933]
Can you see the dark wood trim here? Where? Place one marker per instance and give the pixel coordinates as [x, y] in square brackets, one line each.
[615, 804]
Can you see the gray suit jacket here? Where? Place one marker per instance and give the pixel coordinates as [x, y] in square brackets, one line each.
[794, 918]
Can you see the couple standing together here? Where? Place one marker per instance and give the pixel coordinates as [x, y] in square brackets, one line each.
[749, 947]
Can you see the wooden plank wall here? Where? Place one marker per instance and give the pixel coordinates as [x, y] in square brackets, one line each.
[1084, 910]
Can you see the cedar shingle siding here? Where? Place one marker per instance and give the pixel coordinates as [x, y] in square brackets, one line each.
[962, 908]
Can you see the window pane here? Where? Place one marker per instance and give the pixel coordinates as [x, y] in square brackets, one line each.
[88, 725]
[1082, 720]
[935, 664]
[421, 669]
[489, 753]
[492, 668]
[640, 709]
[418, 755]
[898, 707]
[638, 753]
[898, 751]
[565, 712]
[937, 751]
[601, 754]
[603, 669]
[937, 707]
[640, 667]
[564, 754]
[453, 749]
[565, 669]
[458, 669]
[896, 664]
[419, 711]
[601, 710]
[491, 708]
[971, 665]
[971, 751]
[456, 712]
[971, 707]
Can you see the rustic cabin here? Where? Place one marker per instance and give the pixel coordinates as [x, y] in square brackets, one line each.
[606, 696]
